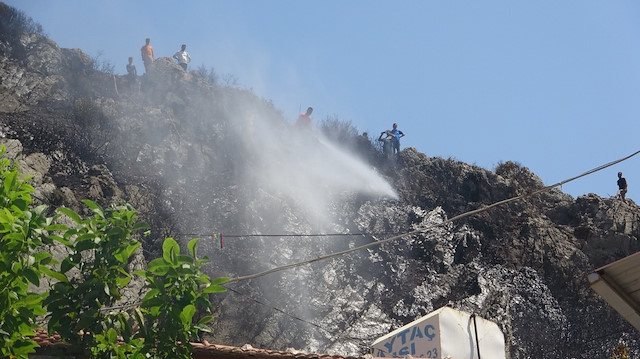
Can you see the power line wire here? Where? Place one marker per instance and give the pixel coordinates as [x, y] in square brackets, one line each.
[287, 235]
[280, 235]
[425, 229]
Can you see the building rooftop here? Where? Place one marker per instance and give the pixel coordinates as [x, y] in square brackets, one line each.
[618, 283]
[53, 345]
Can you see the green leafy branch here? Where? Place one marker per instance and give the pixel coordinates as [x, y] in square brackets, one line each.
[21, 264]
[91, 278]
[177, 290]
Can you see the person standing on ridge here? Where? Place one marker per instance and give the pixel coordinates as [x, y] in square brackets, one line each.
[304, 120]
[622, 187]
[131, 69]
[387, 146]
[132, 73]
[397, 135]
[182, 57]
[147, 55]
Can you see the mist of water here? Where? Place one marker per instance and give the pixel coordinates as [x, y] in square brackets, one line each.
[305, 167]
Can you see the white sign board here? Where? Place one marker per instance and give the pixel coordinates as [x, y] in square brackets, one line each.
[443, 333]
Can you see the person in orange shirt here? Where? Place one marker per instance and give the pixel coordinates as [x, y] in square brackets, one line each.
[147, 54]
[304, 120]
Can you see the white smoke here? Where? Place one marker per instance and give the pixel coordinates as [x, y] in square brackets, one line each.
[306, 167]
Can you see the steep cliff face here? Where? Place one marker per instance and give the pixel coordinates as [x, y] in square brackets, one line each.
[197, 159]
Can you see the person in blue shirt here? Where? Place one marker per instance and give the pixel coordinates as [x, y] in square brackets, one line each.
[397, 135]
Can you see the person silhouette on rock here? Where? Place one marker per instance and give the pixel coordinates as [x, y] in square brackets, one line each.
[622, 187]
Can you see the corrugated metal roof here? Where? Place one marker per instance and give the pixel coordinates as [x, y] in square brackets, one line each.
[618, 283]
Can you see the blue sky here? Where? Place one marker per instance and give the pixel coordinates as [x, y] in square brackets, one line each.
[553, 85]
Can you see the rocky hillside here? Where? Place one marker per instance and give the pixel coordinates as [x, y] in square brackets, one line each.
[197, 159]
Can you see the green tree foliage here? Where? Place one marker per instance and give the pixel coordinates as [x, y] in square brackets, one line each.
[21, 262]
[177, 290]
[90, 281]
[100, 250]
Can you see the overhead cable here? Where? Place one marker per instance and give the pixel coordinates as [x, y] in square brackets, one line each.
[278, 235]
[425, 229]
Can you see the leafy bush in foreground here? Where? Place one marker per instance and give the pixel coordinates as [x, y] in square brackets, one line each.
[90, 281]
[21, 235]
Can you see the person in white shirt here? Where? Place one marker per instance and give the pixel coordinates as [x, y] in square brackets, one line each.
[182, 57]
